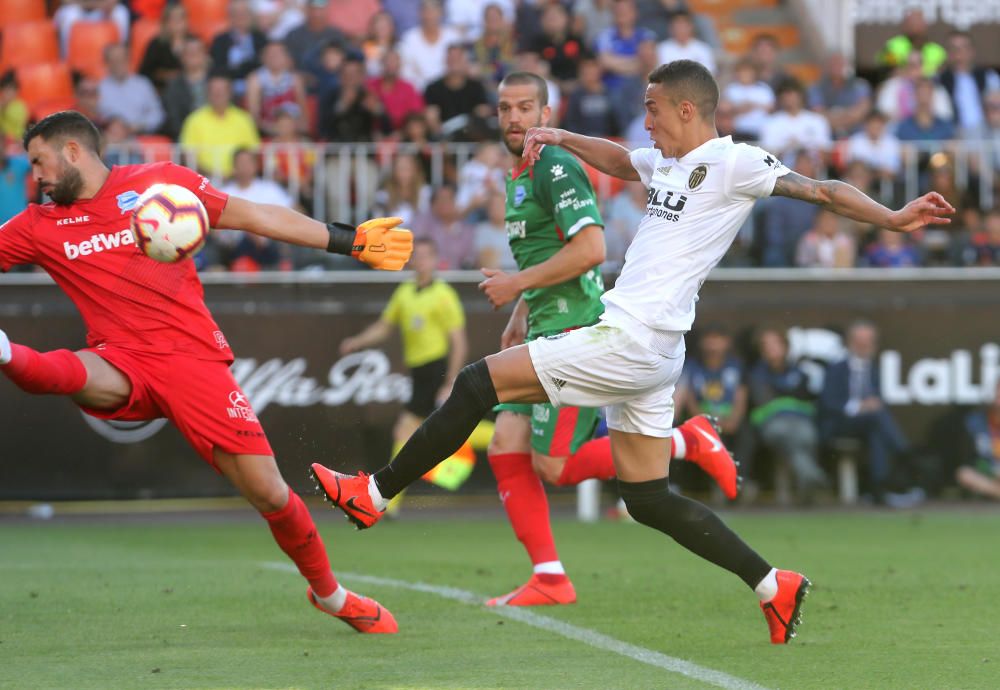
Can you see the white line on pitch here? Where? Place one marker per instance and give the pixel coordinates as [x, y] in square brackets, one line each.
[567, 630]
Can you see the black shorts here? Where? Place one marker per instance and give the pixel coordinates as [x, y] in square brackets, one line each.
[427, 381]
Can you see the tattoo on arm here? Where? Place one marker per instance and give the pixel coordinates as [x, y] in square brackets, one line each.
[798, 186]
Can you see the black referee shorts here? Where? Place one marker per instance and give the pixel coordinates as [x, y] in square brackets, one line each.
[427, 381]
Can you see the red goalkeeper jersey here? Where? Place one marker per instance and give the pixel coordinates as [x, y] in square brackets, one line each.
[125, 298]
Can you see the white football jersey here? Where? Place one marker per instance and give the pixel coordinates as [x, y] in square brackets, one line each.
[695, 207]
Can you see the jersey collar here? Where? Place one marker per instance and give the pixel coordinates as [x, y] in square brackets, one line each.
[516, 172]
[728, 139]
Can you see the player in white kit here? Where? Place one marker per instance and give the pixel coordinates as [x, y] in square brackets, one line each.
[701, 189]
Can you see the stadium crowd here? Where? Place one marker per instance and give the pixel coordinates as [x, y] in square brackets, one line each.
[263, 97]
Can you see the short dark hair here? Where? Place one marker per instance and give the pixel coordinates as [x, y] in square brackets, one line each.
[689, 81]
[521, 78]
[66, 124]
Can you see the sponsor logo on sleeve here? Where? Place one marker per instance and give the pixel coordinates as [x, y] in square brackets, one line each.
[558, 172]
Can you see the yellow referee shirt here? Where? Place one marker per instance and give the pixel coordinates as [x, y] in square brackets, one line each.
[425, 317]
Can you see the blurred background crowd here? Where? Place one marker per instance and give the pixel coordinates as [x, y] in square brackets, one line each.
[355, 108]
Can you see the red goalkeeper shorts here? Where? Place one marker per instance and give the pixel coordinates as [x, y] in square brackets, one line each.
[200, 397]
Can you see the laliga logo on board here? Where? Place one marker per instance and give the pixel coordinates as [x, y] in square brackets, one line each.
[941, 381]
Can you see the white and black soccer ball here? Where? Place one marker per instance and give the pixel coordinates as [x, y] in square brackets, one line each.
[169, 223]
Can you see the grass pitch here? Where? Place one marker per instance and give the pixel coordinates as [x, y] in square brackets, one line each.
[900, 601]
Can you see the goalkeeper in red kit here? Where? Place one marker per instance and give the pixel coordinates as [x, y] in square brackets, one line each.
[153, 350]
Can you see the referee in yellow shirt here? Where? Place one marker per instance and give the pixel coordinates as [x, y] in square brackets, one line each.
[431, 320]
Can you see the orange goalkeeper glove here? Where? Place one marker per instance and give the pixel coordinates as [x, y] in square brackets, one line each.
[376, 242]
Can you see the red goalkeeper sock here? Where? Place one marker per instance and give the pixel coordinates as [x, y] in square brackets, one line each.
[527, 506]
[294, 530]
[59, 372]
[592, 460]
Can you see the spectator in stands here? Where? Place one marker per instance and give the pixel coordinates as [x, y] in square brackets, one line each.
[417, 135]
[468, 16]
[405, 192]
[967, 235]
[276, 18]
[713, 383]
[290, 158]
[479, 178]
[556, 44]
[275, 85]
[764, 51]
[751, 98]
[991, 130]
[622, 216]
[306, 40]
[237, 50]
[986, 243]
[897, 96]
[590, 108]
[682, 45]
[120, 145]
[352, 112]
[162, 60]
[935, 240]
[892, 250]
[128, 96]
[825, 245]
[492, 245]
[851, 405]
[87, 100]
[980, 472]
[924, 124]
[242, 251]
[187, 91]
[218, 128]
[616, 47]
[591, 17]
[424, 48]
[494, 50]
[783, 413]
[786, 220]
[380, 40]
[13, 184]
[455, 239]
[13, 111]
[876, 146]
[398, 97]
[967, 84]
[91, 11]
[792, 128]
[628, 97]
[841, 97]
[456, 98]
[898, 49]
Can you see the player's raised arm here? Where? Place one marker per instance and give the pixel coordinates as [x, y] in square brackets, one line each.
[605, 155]
[377, 242]
[845, 200]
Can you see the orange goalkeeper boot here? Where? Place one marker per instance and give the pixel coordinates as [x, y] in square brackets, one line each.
[349, 493]
[710, 454]
[784, 611]
[535, 592]
[361, 613]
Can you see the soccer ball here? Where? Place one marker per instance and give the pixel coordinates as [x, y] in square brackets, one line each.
[169, 223]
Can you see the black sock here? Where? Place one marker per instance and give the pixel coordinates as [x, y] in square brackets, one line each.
[444, 432]
[693, 526]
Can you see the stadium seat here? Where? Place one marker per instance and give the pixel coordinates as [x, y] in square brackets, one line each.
[26, 43]
[149, 9]
[46, 87]
[87, 41]
[206, 17]
[19, 11]
[155, 148]
[143, 31]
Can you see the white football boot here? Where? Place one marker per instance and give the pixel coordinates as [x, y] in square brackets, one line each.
[4, 348]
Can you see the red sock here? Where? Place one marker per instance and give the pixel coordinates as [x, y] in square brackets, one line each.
[294, 530]
[527, 506]
[592, 460]
[59, 372]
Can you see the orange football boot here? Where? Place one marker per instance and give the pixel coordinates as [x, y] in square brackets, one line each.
[710, 454]
[784, 611]
[361, 613]
[537, 593]
[349, 493]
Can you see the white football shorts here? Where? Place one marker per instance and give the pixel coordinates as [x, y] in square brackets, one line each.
[604, 366]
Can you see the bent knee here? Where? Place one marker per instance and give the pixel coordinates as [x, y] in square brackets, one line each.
[267, 497]
[548, 468]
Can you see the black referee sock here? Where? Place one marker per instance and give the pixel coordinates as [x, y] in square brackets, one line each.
[693, 526]
[444, 432]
